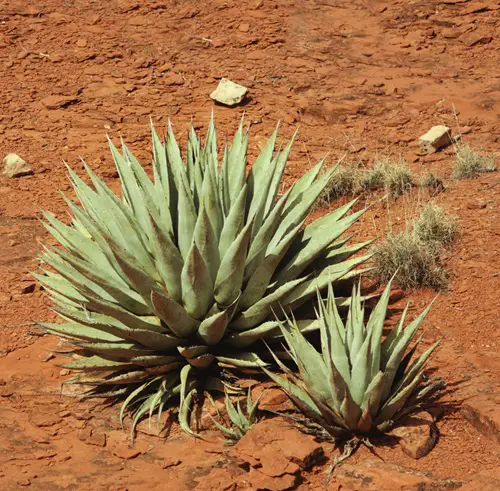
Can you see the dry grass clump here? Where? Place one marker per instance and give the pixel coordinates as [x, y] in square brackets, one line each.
[435, 227]
[373, 179]
[344, 181]
[413, 254]
[469, 163]
[392, 175]
[414, 264]
[430, 180]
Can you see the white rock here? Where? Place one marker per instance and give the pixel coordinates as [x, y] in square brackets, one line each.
[229, 93]
[15, 166]
[437, 137]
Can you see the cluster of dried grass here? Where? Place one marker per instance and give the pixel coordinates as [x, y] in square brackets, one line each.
[413, 255]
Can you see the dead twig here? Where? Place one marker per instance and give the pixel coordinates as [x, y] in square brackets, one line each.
[207, 40]
[37, 53]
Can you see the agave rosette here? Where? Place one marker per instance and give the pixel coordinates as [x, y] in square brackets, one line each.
[241, 419]
[180, 276]
[359, 382]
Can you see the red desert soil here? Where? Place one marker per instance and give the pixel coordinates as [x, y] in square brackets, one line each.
[362, 77]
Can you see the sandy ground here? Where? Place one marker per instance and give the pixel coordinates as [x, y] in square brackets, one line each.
[359, 79]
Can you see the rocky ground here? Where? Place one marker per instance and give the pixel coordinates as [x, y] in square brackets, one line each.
[359, 79]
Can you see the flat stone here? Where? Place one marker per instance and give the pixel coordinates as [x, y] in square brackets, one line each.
[174, 79]
[171, 462]
[6, 392]
[218, 479]
[259, 480]
[229, 93]
[218, 43]
[15, 166]
[376, 475]
[483, 412]
[417, 435]
[277, 449]
[475, 205]
[274, 463]
[81, 415]
[304, 452]
[97, 438]
[126, 453]
[84, 433]
[47, 356]
[475, 8]
[45, 454]
[488, 480]
[273, 399]
[210, 414]
[473, 38]
[436, 138]
[57, 101]
[45, 420]
[166, 67]
[452, 33]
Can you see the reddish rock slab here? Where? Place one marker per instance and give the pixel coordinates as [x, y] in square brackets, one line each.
[45, 420]
[126, 453]
[287, 446]
[272, 455]
[97, 438]
[483, 412]
[485, 481]
[417, 435]
[171, 462]
[259, 481]
[57, 101]
[473, 38]
[273, 399]
[376, 475]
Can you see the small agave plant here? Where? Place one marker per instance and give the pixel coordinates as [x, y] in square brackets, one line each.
[178, 278]
[359, 383]
[242, 420]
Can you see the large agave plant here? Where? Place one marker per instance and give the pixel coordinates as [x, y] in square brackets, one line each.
[359, 382]
[180, 276]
